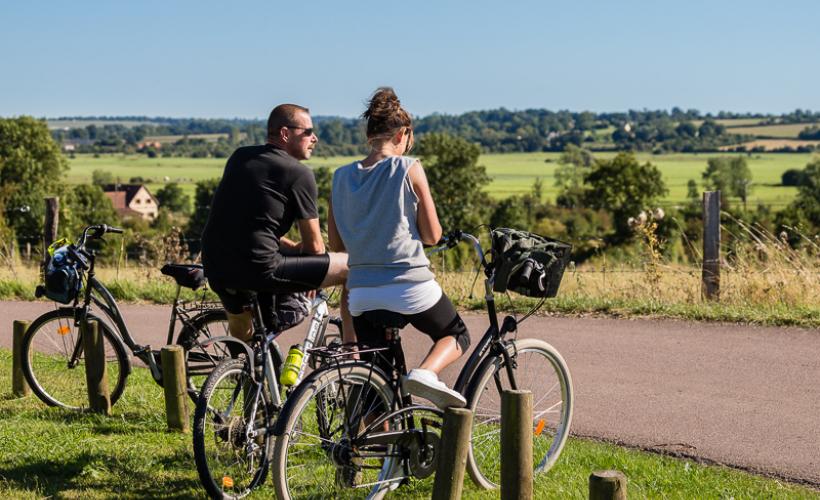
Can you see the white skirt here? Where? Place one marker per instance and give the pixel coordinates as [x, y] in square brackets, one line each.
[403, 298]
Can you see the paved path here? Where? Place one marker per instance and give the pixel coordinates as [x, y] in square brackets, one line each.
[745, 396]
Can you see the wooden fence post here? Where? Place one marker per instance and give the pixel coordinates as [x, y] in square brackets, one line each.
[607, 485]
[711, 245]
[172, 358]
[452, 458]
[19, 386]
[96, 375]
[51, 224]
[516, 445]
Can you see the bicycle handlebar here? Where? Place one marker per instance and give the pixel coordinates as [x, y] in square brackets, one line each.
[453, 238]
[97, 231]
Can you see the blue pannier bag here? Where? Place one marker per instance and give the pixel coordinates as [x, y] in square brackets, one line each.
[62, 280]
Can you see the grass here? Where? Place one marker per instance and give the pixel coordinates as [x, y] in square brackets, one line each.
[49, 452]
[511, 173]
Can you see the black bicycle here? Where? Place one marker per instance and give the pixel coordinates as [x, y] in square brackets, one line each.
[52, 351]
[370, 437]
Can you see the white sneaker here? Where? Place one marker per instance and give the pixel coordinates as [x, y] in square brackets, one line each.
[425, 384]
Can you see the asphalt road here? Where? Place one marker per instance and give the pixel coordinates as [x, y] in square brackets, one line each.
[744, 396]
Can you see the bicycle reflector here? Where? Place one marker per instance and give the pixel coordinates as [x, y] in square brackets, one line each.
[540, 427]
[64, 330]
[227, 482]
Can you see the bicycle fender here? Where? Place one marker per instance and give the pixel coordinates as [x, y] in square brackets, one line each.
[235, 341]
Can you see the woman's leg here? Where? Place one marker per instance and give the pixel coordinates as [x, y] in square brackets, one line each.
[441, 355]
[443, 324]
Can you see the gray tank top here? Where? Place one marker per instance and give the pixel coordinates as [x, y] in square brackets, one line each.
[375, 212]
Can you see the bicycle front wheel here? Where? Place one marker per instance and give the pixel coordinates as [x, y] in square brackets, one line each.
[316, 455]
[538, 368]
[53, 360]
[231, 442]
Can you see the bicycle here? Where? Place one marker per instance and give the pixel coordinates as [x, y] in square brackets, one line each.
[241, 398]
[52, 350]
[371, 436]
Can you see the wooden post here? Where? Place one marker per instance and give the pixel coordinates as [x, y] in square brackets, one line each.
[516, 445]
[711, 245]
[19, 386]
[452, 454]
[607, 485]
[51, 224]
[172, 358]
[96, 376]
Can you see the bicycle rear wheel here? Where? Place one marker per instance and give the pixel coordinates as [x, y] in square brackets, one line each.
[315, 456]
[202, 355]
[54, 362]
[231, 463]
[540, 369]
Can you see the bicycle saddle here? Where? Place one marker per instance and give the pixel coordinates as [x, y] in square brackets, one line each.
[385, 319]
[187, 275]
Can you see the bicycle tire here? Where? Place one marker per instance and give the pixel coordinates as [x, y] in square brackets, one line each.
[225, 466]
[48, 345]
[540, 366]
[295, 422]
[201, 356]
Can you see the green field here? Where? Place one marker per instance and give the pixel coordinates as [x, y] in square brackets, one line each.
[782, 131]
[512, 173]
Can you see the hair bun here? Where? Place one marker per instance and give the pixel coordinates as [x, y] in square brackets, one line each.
[384, 113]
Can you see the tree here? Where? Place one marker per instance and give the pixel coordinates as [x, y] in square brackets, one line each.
[203, 197]
[456, 180]
[729, 175]
[510, 212]
[803, 214]
[102, 177]
[623, 187]
[324, 184]
[574, 163]
[31, 168]
[172, 198]
[792, 177]
[84, 205]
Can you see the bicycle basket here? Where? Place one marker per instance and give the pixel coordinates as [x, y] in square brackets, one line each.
[528, 263]
[61, 278]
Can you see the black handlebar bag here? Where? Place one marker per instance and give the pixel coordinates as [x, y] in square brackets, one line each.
[516, 252]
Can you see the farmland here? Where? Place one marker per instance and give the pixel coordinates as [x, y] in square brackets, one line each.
[511, 173]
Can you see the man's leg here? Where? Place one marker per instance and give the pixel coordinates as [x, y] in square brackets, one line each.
[337, 275]
[240, 325]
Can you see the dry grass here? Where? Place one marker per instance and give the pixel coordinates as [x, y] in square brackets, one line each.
[762, 281]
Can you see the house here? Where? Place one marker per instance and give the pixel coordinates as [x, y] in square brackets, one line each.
[132, 200]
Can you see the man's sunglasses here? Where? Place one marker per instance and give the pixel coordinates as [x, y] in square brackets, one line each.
[308, 130]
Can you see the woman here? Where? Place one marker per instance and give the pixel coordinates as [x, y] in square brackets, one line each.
[382, 213]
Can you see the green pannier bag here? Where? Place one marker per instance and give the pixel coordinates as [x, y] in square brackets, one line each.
[528, 263]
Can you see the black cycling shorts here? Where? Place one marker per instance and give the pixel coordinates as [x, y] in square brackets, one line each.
[293, 274]
[438, 322]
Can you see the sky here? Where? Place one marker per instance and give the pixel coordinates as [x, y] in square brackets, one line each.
[218, 59]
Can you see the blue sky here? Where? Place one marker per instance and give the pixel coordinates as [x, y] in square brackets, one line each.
[238, 59]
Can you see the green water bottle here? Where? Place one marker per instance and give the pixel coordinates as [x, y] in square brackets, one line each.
[292, 366]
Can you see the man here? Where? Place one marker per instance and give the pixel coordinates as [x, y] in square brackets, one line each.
[265, 190]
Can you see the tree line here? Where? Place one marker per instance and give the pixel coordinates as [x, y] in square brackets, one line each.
[498, 130]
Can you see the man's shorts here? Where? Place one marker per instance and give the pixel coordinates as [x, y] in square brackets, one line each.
[293, 275]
